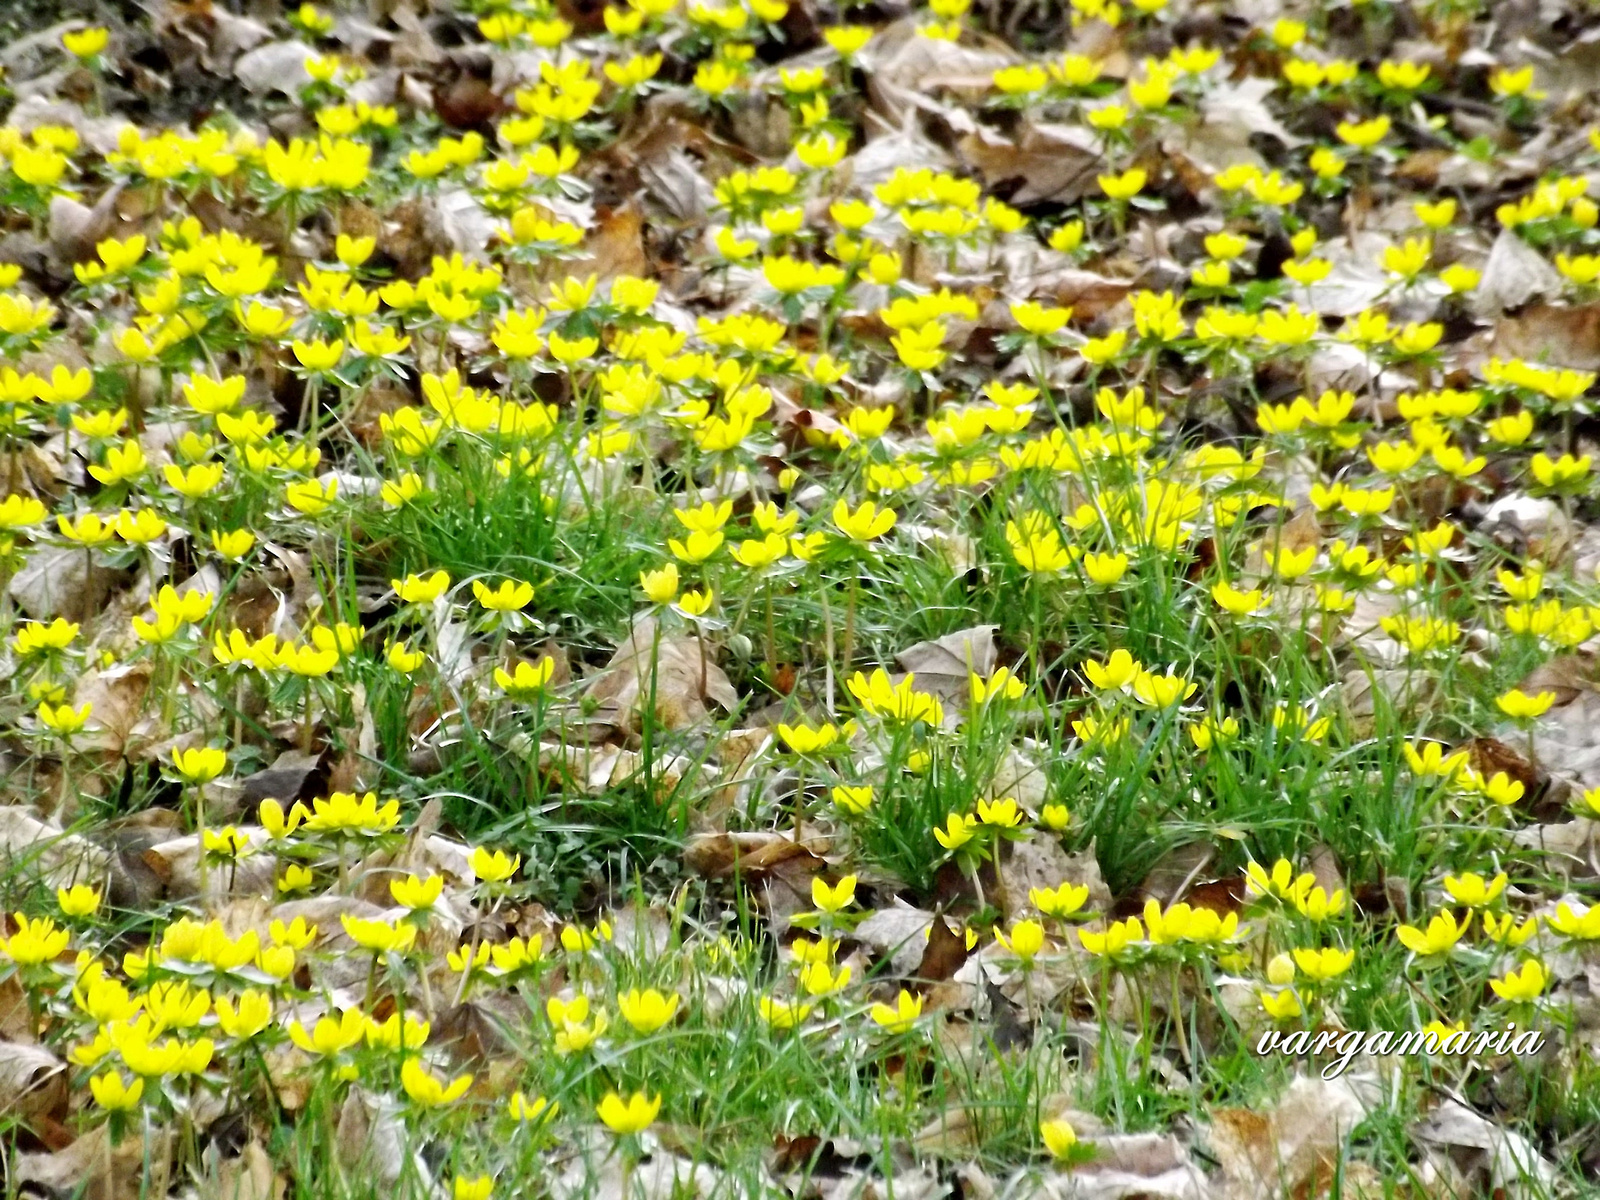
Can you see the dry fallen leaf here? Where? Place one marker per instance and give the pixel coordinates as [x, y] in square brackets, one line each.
[33, 1081]
[1293, 1147]
[673, 674]
[138, 1166]
[1473, 1156]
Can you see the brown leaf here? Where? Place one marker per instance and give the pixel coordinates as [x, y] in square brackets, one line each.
[134, 1168]
[616, 247]
[58, 581]
[676, 672]
[1567, 675]
[1047, 162]
[946, 953]
[1294, 1144]
[1478, 1157]
[250, 1176]
[945, 665]
[33, 848]
[292, 776]
[716, 855]
[1176, 871]
[1560, 335]
[118, 694]
[33, 1081]
[899, 933]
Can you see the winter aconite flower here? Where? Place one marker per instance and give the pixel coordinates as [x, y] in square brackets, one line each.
[630, 1116]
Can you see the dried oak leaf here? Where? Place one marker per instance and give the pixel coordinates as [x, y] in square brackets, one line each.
[1293, 1148]
[674, 673]
[1561, 336]
[1048, 162]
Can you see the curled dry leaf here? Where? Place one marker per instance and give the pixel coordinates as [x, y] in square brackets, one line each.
[33, 1081]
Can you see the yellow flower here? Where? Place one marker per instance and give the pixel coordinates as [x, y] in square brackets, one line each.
[343, 812]
[35, 942]
[479, 1187]
[416, 893]
[318, 356]
[902, 1016]
[528, 679]
[1281, 882]
[1571, 923]
[1280, 1006]
[1105, 570]
[427, 1090]
[1117, 672]
[493, 866]
[1431, 761]
[957, 831]
[1327, 963]
[511, 595]
[1002, 684]
[1059, 1138]
[802, 739]
[200, 765]
[647, 1011]
[760, 553]
[633, 1115]
[895, 702]
[1162, 691]
[331, 1035]
[852, 800]
[1403, 76]
[1316, 905]
[84, 44]
[523, 1109]
[1473, 891]
[250, 1017]
[421, 589]
[1115, 940]
[866, 523]
[62, 719]
[661, 585]
[79, 900]
[1505, 931]
[108, 1089]
[1440, 936]
[379, 936]
[575, 939]
[1124, 186]
[1060, 901]
[1560, 472]
[1026, 940]
[1239, 604]
[1520, 706]
[832, 899]
[1363, 135]
[1521, 986]
[697, 547]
